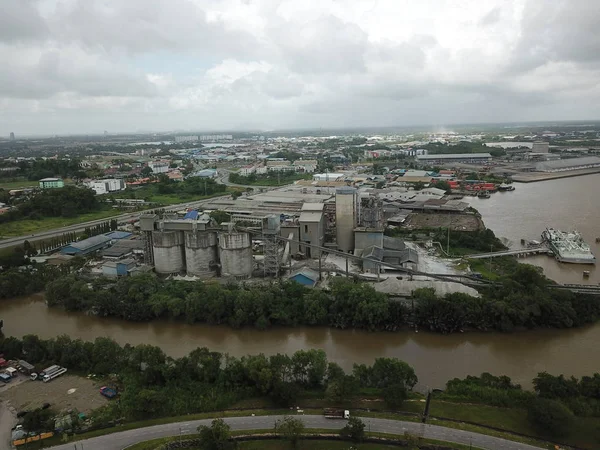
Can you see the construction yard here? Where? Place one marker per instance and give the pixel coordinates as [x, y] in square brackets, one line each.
[63, 393]
[456, 222]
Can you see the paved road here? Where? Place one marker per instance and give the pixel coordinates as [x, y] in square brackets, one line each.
[118, 441]
[7, 420]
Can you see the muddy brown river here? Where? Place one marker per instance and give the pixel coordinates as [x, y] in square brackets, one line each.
[435, 357]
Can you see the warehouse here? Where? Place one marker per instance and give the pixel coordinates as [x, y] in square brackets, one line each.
[87, 246]
[561, 165]
[467, 158]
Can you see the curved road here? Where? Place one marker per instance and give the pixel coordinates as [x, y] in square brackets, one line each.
[123, 439]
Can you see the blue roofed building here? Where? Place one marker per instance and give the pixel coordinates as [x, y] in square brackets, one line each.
[116, 235]
[193, 214]
[305, 277]
[87, 246]
[118, 268]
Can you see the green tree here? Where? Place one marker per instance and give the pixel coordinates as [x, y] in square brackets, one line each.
[550, 416]
[442, 184]
[354, 430]
[290, 429]
[220, 216]
[236, 194]
[216, 437]
[395, 394]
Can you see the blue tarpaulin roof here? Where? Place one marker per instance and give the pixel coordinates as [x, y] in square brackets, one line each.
[118, 234]
[191, 215]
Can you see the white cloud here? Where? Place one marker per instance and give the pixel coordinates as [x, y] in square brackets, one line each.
[89, 65]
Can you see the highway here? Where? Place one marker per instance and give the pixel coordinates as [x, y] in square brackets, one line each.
[123, 439]
[11, 242]
[14, 241]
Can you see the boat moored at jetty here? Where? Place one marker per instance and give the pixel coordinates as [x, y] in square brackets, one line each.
[568, 247]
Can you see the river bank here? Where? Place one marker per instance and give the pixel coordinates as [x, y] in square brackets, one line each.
[437, 358]
[564, 204]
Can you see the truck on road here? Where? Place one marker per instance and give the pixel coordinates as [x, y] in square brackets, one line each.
[332, 413]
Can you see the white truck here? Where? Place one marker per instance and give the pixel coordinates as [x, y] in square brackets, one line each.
[331, 413]
[48, 376]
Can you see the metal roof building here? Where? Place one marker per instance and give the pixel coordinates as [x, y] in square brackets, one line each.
[568, 164]
[456, 157]
[86, 246]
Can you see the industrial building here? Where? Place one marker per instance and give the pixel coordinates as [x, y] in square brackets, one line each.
[540, 147]
[196, 245]
[104, 186]
[346, 205]
[466, 158]
[312, 228]
[391, 251]
[118, 268]
[87, 246]
[51, 183]
[561, 165]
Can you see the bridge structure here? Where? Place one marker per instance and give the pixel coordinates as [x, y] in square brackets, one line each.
[466, 279]
[538, 249]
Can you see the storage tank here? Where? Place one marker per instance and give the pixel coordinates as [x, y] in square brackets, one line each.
[167, 247]
[235, 251]
[200, 252]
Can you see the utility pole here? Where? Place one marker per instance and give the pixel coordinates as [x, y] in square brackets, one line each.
[448, 243]
[490, 258]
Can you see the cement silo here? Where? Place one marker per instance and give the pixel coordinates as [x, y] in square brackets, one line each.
[345, 218]
[168, 251]
[235, 250]
[201, 253]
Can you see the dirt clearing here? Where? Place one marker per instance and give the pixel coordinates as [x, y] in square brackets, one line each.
[456, 222]
[65, 392]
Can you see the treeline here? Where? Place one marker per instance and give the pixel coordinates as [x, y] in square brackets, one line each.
[18, 281]
[152, 384]
[145, 297]
[45, 168]
[190, 186]
[269, 178]
[477, 241]
[522, 299]
[480, 240]
[551, 407]
[101, 228]
[68, 201]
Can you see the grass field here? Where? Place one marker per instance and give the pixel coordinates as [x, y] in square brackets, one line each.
[23, 183]
[17, 184]
[313, 444]
[168, 199]
[28, 226]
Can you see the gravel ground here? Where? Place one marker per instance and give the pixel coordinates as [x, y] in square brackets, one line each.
[7, 420]
[457, 222]
[27, 394]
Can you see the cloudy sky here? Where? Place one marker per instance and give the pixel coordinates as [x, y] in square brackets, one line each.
[85, 66]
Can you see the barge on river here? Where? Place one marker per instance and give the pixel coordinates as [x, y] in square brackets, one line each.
[568, 247]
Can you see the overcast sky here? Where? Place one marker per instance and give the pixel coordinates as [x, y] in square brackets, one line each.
[85, 66]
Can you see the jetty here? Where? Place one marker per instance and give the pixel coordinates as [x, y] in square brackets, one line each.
[538, 249]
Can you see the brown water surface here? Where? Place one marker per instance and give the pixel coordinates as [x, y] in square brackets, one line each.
[435, 357]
